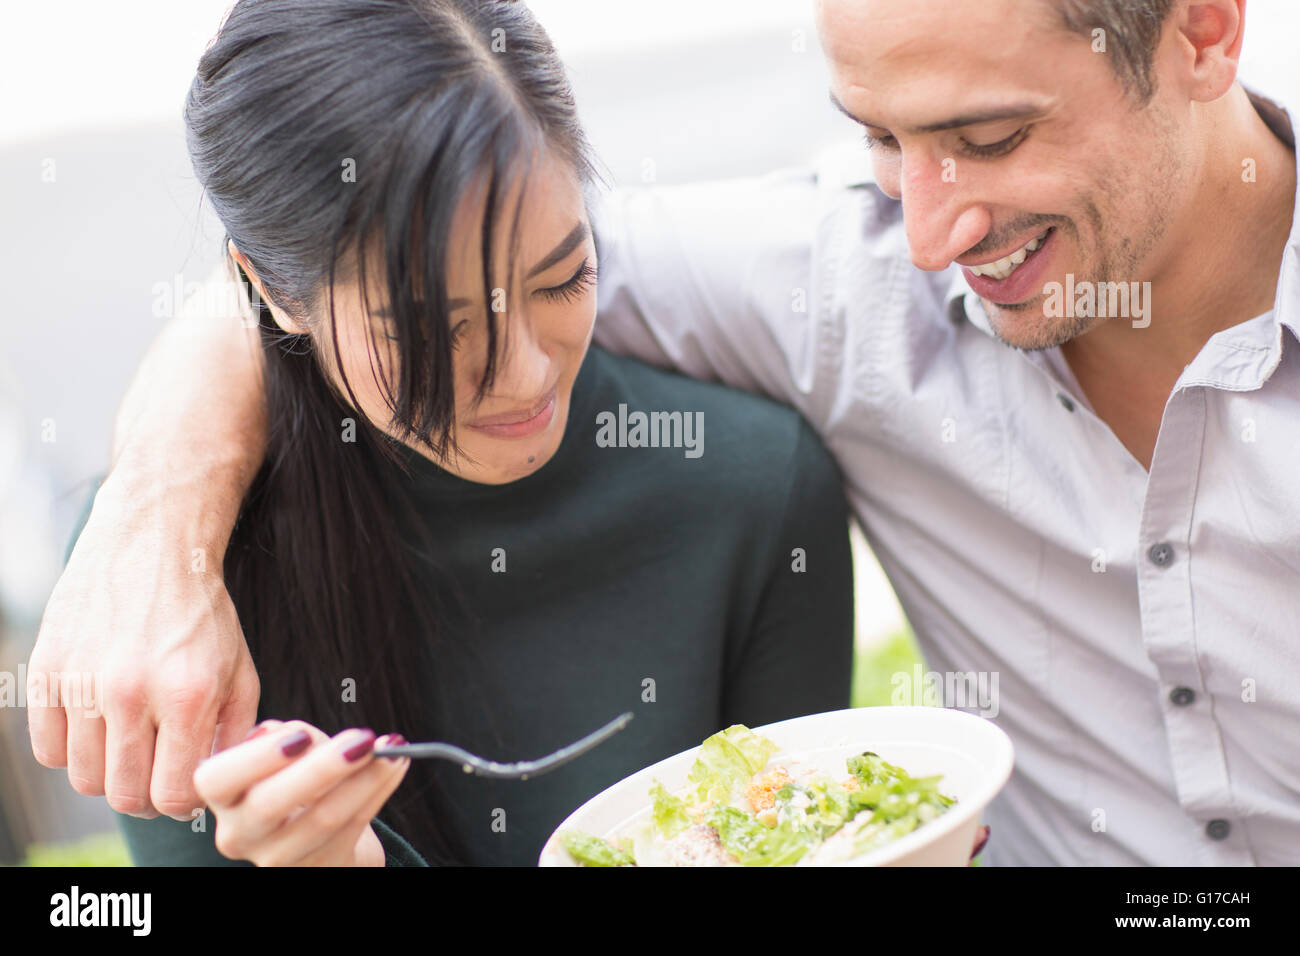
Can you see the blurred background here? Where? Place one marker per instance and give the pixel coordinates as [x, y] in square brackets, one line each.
[100, 206]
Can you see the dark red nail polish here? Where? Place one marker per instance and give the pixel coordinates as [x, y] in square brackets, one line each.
[295, 744]
[396, 740]
[359, 750]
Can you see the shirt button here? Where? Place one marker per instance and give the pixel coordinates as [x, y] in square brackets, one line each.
[1065, 401]
[1182, 696]
[1217, 829]
[1162, 554]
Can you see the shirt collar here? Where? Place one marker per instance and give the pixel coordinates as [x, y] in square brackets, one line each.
[963, 303]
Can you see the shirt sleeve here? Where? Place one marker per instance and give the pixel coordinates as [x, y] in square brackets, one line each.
[797, 656]
[717, 280]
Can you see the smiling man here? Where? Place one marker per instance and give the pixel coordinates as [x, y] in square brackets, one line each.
[1094, 499]
[1090, 506]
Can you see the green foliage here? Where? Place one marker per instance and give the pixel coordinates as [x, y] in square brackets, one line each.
[874, 668]
[101, 849]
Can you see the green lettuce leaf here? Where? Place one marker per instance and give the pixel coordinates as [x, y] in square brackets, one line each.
[754, 844]
[588, 850]
[726, 763]
[820, 806]
[669, 813]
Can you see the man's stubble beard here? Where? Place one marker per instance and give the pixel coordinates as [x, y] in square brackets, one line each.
[1119, 261]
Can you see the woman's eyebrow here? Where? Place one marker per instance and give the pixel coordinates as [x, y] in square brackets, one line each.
[570, 242]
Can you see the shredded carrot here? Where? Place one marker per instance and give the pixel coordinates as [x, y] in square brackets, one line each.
[761, 792]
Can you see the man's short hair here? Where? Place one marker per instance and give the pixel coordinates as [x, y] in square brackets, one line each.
[1132, 32]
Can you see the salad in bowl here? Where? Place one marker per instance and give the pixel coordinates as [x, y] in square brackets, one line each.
[765, 797]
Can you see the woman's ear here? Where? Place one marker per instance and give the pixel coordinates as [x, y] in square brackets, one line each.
[282, 318]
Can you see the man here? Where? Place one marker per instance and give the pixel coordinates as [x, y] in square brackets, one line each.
[1053, 344]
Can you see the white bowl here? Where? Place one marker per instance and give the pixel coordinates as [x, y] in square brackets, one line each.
[971, 753]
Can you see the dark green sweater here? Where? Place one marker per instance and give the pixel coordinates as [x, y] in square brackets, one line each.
[696, 590]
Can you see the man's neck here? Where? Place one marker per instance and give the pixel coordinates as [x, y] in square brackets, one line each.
[1225, 273]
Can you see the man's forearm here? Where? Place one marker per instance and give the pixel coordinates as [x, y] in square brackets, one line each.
[190, 434]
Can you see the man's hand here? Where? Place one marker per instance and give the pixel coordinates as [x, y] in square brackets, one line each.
[156, 673]
[140, 623]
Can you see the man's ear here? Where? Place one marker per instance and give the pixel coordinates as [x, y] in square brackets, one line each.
[1211, 34]
[281, 317]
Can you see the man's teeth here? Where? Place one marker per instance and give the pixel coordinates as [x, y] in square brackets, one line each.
[1008, 264]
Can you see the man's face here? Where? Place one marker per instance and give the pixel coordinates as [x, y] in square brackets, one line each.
[1005, 135]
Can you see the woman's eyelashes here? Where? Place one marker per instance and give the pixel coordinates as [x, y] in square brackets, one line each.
[458, 332]
[570, 290]
[574, 287]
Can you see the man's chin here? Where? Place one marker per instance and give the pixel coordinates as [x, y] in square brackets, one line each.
[1023, 325]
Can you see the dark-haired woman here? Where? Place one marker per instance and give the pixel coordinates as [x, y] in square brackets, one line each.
[440, 543]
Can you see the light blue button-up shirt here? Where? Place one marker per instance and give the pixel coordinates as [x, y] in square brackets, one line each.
[1142, 630]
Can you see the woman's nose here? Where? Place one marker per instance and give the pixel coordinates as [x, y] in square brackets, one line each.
[524, 372]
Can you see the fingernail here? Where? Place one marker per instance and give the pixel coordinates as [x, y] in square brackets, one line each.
[295, 744]
[394, 740]
[360, 749]
[259, 729]
[984, 838]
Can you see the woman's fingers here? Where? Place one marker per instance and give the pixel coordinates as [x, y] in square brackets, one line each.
[275, 800]
[327, 832]
[224, 779]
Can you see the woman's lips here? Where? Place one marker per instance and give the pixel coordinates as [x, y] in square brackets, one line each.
[519, 424]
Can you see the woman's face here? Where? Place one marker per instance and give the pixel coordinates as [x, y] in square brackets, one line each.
[546, 320]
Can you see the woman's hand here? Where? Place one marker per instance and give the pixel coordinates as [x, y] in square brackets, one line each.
[291, 796]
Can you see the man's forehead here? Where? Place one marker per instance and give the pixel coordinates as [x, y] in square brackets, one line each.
[918, 35]
[931, 65]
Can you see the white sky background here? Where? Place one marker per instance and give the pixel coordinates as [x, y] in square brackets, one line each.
[82, 63]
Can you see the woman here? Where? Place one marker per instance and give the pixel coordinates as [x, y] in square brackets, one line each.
[441, 541]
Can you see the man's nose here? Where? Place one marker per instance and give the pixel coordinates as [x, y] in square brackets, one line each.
[941, 220]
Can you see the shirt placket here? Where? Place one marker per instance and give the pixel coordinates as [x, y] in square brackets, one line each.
[1164, 565]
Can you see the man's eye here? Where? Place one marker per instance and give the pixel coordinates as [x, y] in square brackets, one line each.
[1000, 148]
[882, 142]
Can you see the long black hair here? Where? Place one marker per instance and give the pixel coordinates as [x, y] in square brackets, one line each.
[321, 130]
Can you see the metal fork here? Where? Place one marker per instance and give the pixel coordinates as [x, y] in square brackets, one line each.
[520, 770]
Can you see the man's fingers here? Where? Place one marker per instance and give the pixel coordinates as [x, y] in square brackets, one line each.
[183, 740]
[86, 752]
[239, 712]
[48, 726]
[129, 750]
